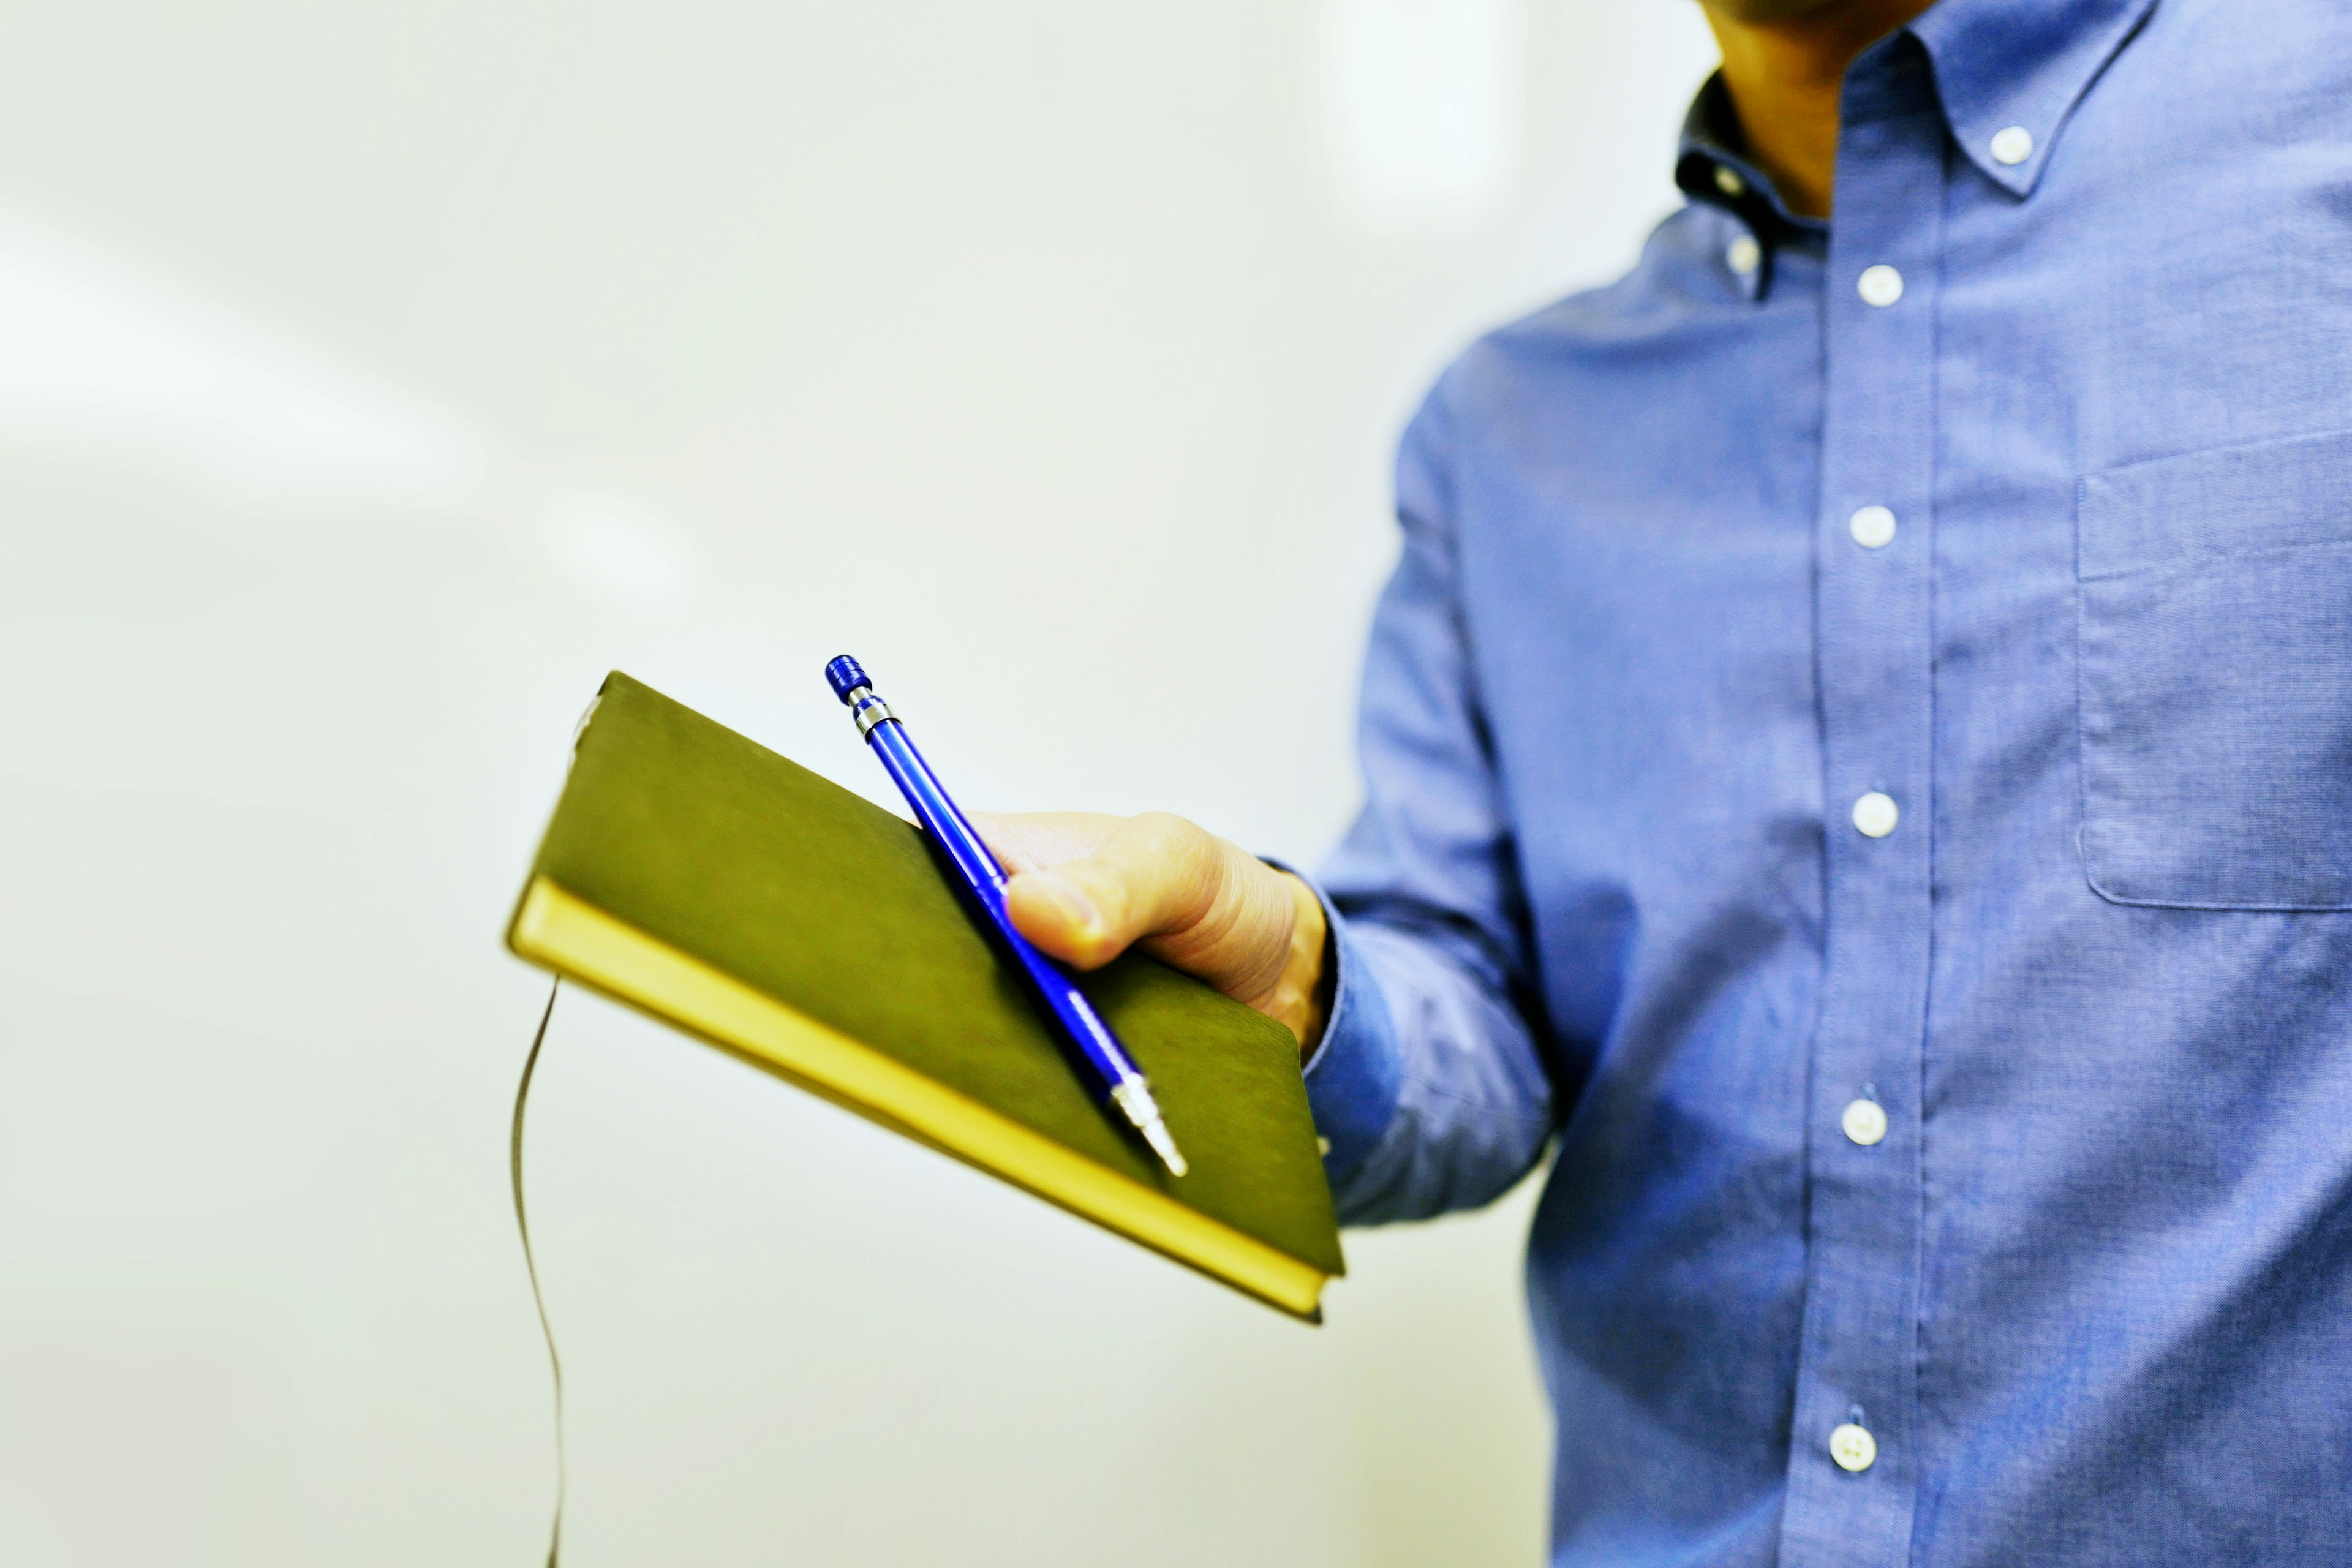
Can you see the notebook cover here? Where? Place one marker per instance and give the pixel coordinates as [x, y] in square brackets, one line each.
[716, 846]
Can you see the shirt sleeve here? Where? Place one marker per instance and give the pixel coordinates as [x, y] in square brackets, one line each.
[1428, 1083]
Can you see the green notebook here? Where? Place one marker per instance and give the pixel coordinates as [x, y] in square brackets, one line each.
[702, 878]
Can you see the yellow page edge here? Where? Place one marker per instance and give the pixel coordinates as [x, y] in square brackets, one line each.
[559, 931]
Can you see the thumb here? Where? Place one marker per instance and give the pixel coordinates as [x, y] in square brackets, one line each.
[1149, 876]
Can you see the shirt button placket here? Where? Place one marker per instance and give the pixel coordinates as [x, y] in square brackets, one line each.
[1849, 1478]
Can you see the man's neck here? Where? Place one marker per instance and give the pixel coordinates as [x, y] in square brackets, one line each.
[1785, 64]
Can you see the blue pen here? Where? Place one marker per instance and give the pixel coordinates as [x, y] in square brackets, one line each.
[1114, 1073]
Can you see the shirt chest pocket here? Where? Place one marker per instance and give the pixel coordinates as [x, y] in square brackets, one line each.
[2215, 706]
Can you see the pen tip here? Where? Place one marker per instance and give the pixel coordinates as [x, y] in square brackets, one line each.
[1133, 1096]
[1155, 1132]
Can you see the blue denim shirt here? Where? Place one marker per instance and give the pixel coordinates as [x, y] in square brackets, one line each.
[1859, 747]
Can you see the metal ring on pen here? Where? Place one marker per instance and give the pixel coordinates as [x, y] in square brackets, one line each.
[867, 710]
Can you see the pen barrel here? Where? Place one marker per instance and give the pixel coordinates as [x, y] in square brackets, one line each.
[982, 881]
[937, 813]
[1107, 1064]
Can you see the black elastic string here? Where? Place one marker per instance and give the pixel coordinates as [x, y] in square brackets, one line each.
[522, 1224]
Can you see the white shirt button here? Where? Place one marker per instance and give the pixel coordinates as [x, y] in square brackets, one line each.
[1871, 527]
[1874, 814]
[1729, 182]
[2012, 145]
[1853, 1447]
[1880, 285]
[1865, 1121]
[1743, 254]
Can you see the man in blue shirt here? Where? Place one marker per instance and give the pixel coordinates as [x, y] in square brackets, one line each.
[1859, 748]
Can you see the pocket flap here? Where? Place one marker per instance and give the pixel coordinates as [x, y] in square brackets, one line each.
[2228, 502]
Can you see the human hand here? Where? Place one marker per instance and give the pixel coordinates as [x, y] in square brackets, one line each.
[1084, 887]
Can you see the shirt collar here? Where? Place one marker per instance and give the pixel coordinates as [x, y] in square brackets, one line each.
[2002, 67]
[2009, 71]
[1712, 166]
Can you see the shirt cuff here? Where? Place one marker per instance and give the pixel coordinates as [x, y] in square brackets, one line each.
[1353, 1075]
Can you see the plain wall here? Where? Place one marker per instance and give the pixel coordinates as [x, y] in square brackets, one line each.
[373, 378]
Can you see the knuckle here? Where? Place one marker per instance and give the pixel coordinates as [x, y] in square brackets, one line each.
[1170, 868]
[1160, 847]
[1162, 830]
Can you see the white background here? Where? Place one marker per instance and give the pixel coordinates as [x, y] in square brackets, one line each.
[373, 378]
